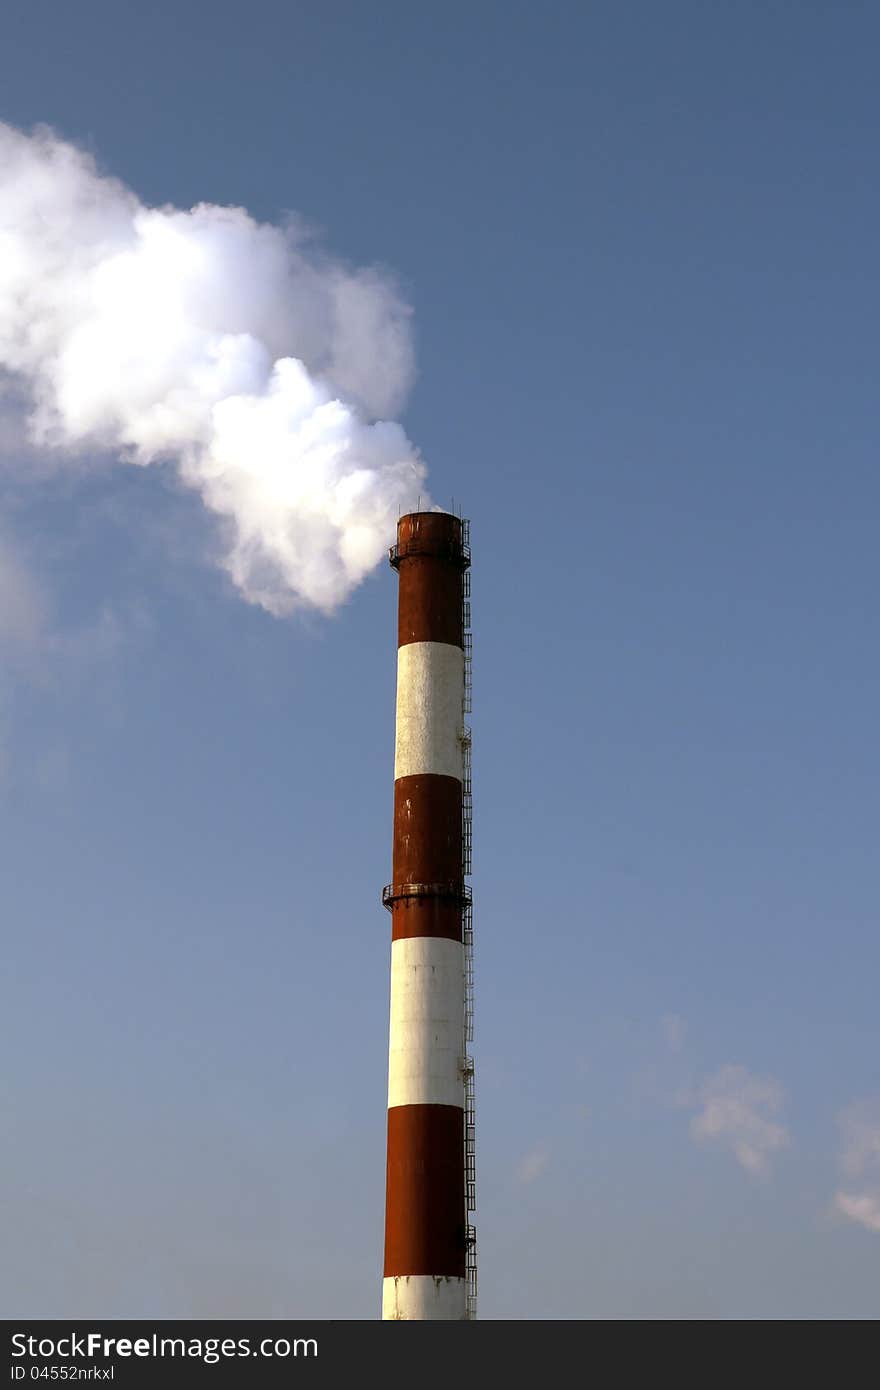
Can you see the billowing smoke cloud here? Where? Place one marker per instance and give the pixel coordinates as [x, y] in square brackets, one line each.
[260, 367]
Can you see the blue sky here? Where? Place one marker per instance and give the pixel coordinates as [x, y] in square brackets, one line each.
[640, 243]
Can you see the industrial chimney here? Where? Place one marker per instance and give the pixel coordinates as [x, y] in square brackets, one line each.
[430, 1247]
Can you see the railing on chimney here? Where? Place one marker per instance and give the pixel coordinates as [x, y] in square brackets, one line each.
[471, 1271]
[467, 934]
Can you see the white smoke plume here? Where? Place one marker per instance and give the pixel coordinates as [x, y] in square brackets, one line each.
[261, 368]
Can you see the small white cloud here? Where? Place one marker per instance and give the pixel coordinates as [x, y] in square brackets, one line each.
[22, 607]
[22, 624]
[860, 1128]
[674, 1029]
[40, 654]
[860, 1164]
[532, 1165]
[738, 1111]
[862, 1207]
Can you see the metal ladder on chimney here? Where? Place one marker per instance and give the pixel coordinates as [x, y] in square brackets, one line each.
[467, 933]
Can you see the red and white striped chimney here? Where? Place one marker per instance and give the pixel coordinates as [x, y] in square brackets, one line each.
[429, 1246]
